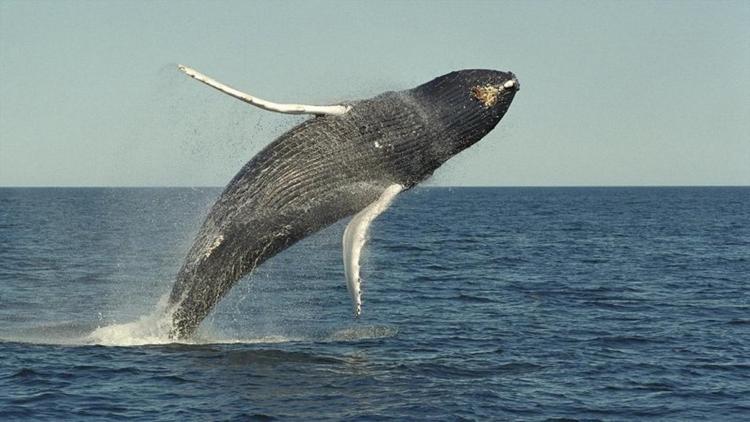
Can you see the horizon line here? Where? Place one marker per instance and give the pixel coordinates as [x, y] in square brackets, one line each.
[420, 186]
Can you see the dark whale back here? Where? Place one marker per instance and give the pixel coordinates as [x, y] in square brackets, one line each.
[322, 170]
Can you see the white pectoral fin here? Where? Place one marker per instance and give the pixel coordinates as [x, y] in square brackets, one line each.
[264, 104]
[355, 237]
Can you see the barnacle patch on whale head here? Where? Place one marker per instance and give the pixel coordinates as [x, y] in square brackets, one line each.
[486, 94]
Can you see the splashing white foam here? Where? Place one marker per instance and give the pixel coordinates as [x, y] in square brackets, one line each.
[355, 237]
[154, 329]
[149, 329]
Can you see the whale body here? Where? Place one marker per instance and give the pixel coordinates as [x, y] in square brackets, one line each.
[330, 167]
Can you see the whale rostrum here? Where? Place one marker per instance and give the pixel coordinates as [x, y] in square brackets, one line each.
[348, 159]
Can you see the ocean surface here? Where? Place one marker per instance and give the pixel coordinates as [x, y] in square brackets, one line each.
[479, 304]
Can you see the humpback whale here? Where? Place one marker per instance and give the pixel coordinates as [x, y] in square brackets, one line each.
[350, 158]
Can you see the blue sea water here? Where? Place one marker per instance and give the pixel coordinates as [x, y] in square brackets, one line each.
[479, 303]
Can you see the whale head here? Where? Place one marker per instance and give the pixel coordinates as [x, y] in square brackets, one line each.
[464, 106]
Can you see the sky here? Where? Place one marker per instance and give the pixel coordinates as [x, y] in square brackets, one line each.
[612, 93]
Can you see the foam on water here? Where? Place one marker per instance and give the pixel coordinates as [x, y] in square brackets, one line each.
[154, 329]
[150, 329]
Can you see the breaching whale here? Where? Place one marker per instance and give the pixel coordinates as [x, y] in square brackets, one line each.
[350, 158]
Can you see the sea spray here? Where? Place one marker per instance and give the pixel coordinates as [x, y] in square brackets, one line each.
[149, 329]
[154, 328]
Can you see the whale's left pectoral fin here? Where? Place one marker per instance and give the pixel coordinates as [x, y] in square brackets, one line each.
[261, 103]
[354, 240]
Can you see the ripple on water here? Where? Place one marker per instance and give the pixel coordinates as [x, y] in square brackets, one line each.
[508, 304]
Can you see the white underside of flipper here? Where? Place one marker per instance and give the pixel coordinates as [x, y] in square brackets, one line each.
[334, 110]
[355, 237]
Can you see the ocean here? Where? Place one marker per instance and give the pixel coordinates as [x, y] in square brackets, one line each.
[478, 304]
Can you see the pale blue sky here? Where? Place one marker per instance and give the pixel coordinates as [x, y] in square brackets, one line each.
[612, 93]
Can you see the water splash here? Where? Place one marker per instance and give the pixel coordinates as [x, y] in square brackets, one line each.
[355, 237]
[149, 329]
[154, 329]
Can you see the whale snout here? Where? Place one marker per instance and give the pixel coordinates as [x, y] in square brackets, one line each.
[512, 82]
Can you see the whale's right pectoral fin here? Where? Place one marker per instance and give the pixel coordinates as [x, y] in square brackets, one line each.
[354, 240]
[264, 104]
